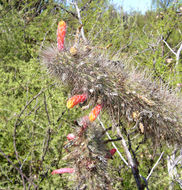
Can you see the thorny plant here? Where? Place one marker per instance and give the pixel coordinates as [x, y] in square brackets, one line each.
[128, 97]
[131, 102]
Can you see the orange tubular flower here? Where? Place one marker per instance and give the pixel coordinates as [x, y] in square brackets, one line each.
[61, 32]
[73, 101]
[95, 112]
[63, 170]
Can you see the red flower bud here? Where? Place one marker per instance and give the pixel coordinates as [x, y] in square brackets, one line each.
[70, 136]
[112, 151]
[95, 112]
[61, 32]
[63, 170]
[76, 100]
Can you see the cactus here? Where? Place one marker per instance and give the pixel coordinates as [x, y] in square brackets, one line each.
[124, 91]
[127, 96]
[89, 157]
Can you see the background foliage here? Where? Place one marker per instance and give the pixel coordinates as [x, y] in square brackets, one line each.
[31, 101]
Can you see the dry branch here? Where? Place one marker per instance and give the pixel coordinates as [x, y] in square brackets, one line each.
[122, 158]
[19, 170]
[131, 162]
[177, 54]
[80, 20]
[151, 171]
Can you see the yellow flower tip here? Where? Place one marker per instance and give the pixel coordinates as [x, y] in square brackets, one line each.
[69, 104]
[62, 23]
[92, 117]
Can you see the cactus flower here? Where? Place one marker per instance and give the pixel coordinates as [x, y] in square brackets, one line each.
[63, 170]
[95, 112]
[76, 100]
[70, 136]
[61, 32]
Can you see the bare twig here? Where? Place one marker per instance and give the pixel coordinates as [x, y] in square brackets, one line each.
[24, 160]
[17, 123]
[61, 115]
[45, 147]
[146, 182]
[131, 162]
[112, 140]
[42, 44]
[15, 129]
[29, 102]
[68, 11]
[172, 163]
[122, 158]
[80, 20]
[154, 166]
[17, 156]
[33, 110]
[177, 54]
[45, 103]
[169, 47]
[86, 5]
[5, 174]
[177, 160]
[18, 169]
